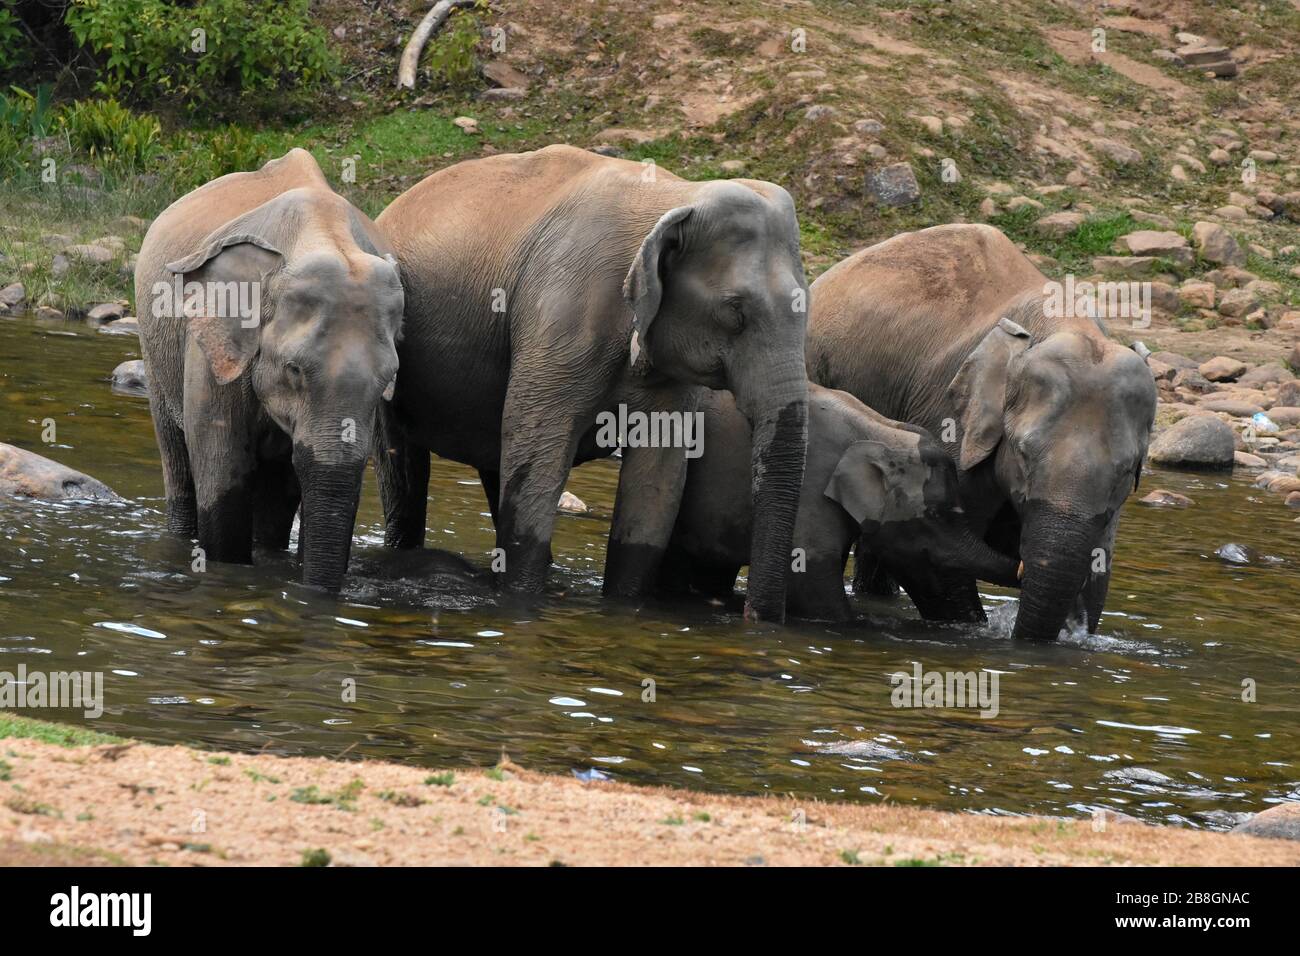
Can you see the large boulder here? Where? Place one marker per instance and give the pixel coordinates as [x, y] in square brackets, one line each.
[29, 475]
[1215, 244]
[1198, 441]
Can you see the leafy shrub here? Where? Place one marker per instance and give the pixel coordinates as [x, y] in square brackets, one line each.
[23, 117]
[451, 56]
[14, 51]
[202, 157]
[107, 131]
[203, 49]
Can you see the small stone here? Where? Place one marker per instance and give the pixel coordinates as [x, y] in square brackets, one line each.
[1293, 500]
[1059, 224]
[47, 313]
[1221, 368]
[1131, 266]
[13, 295]
[1197, 295]
[819, 112]
[572, 504]
[90, 253]
[466, 124]
[933, 125]
[1076, 178]
[1244, 459]
[130, 378]
[1232, 213]
[105, 312]
[868, 127]
[1118, 153]
[1220, 157]
[127, 325]
[1160, 498]
[989, 209]
[1263, 156]
[893, 185]
[1016, 203]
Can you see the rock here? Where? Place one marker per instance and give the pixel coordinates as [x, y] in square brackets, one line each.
[130, 378]
[1234, 553]
[1285, 415]
[868, 127]
[466, 124]
[820, 112]
[127, 325]
[1221, 368]
[1165, 297]
[499, 93]
[1237, 302]
[1215, 244]
[572, 504]
[732, 166]
[1263, 155]
[1288, 393]
[1076, 177]
[1191, 379]
[29, 475]
[13, 295]
[1198, 441]
[105, 312]
[1151, 242]
[1118, 153]
[1160, 371]
[1178, 174]
[92, 253]
[1281, 822]
[1244, 459]
[1197, 295]
[1268, 374]
[1230, 406]
[505, 75]
[1160, 498]
[1175, 359]
[932, 124]
[1016, 203]
[1293, 500]
[1233, 213]
[1134, 267]
[893, 185]
[47, 313]
[1220, 157]
[988, 208]
[1059, 224]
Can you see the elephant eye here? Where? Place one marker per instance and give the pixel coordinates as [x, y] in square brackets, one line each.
[293, 371]
[733, 314]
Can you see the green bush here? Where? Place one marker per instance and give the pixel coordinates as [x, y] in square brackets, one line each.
[202, 50]
[451, 58]
[23, 117]
[110, 133]
[202, 157]
[14, 51]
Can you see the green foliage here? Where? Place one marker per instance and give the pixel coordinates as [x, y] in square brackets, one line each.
[203, 157]
[451, 58]
[109, 132]
[14, 51]
[199, 51]
[23, 116]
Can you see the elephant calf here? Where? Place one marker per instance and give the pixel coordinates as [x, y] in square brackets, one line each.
[268, 308]
[866, 476]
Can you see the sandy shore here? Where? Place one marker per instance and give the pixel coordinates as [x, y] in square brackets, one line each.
[134, 803]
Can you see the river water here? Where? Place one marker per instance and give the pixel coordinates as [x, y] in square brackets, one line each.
[415, 663]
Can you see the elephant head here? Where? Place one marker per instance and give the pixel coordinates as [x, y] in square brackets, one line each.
[1064, 424]
[902, 492]
[719, 298]
[319, 353]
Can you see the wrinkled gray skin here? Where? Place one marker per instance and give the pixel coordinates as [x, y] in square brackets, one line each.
[526, 276]
[1047, 419]
[889, 484]
[254, 422]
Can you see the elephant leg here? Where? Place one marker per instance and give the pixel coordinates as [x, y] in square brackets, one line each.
[650, 485]
[223, 461]
[491, 481]
[541, 428]
[402, 469]
[870, 575]
[682, 573]
[276, 497]
[817, 592]
[178, 481]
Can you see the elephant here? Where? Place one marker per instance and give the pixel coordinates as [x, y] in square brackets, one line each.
[1047, 419]
[269, 311]
[546, 289]
[867, 478]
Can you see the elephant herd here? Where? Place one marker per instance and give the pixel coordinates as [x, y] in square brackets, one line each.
[919, 403]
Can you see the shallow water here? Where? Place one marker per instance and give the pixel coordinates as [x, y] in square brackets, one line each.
[1146, 717]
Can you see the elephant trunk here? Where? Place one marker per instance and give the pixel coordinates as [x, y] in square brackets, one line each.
[330, 493]
[779, 418]
[1058, 554]
[976, 557]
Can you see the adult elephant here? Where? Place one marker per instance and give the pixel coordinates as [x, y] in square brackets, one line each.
[952, 328]
[543, 288]
[268, 310]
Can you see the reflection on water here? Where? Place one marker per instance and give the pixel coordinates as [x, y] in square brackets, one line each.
[1146, 717]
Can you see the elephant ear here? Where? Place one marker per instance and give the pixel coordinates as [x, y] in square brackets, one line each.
[878, 482]
[241, 253]
[979, 390]
[643, 288]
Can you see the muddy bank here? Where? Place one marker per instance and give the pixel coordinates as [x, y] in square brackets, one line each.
[129, 803]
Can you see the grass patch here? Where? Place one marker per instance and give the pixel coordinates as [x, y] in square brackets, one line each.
[64, 735]
[440, 779]
[316, 857]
